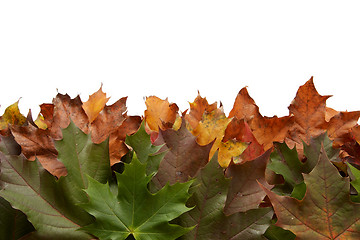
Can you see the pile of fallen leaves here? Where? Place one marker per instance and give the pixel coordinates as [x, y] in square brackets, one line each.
[90, 171]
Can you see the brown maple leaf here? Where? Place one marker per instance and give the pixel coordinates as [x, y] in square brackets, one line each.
[240, 130]
[265, 129]
[36, 143]
[185, 157]
[197, 109]
[117, 146]
[309, 109]
[64, 109]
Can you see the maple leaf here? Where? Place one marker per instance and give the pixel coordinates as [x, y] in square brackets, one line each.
[308, 108]
[325, 212]
[11, 116]
[95, 104]
[135, 211]
[244, 192]
[49, 204]
[82, 157]
[265, 129]
[63, 109]
[184, 156]
[108, 120]
[240, 130]
[145, 151]
[212, 128]
[160, 113]
[244, 106]
[209, 193]
[35, 143]
[117, 146]
[197, 109]
[33, 190]
[339, 127]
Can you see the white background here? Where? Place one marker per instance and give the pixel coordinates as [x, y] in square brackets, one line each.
[174, 48]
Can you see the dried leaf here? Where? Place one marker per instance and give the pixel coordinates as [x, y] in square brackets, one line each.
[95, 104]
[11, 116]
[197, 110]
[308, 109]
[184, 156]
[160, 113]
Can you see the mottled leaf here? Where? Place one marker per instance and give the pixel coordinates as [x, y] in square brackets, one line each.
[209, 193]
[184, 156]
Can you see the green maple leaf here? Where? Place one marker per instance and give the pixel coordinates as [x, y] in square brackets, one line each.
[50, 204]
[146, 152]
[326, 211]
[135, 211]
[355, 176]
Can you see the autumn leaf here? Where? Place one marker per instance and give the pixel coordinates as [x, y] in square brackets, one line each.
[339, 127]
[135, 211]
[36, 143]
[160, 113]
[64, 109]
[325, 212]
[11, 116]
[309, 110]
[240, 130]
[265, 129]
[209, 193]
[184, 156]
[244, 106]
[108, 120]
[95, 104]
[197, 110]
[212, 128]
[244, 192]
[117, 146]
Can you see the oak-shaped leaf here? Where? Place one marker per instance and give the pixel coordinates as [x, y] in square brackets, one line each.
[209, 192]
[326, 211]
[135, 211]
